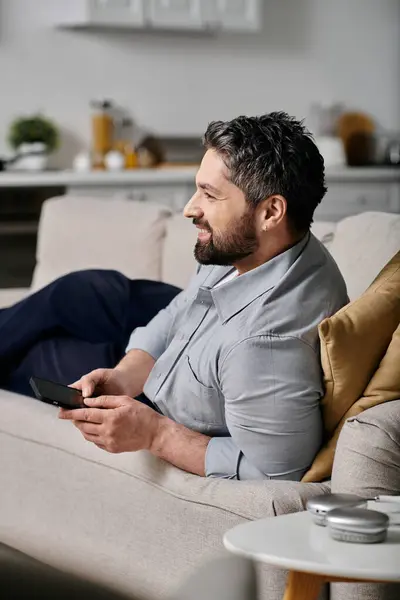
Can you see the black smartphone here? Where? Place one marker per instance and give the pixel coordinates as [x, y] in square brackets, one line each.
[56, 393]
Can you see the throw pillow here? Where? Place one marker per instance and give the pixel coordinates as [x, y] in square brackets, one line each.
[354, 342]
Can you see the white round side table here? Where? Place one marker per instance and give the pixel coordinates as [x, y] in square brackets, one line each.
[294, 542]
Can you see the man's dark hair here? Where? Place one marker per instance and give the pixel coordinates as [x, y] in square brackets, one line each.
[272, 154]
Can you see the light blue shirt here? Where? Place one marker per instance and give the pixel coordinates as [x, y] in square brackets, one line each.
[240, 362]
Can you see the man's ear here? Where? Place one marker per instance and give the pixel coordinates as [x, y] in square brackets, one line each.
[273, 211]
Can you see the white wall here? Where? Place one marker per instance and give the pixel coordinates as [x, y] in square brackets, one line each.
[310, 50]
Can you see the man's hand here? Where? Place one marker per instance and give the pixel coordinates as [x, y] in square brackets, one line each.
[102, 381]
[126, 379]
[126, 426]
[129, 425]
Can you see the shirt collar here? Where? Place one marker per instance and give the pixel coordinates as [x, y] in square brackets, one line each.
[233, 296]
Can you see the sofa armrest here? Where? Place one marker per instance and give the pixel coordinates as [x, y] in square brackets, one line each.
[10, 296]
[367, 459]
[367, 463]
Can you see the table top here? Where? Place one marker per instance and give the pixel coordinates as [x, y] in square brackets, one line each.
[294, 542]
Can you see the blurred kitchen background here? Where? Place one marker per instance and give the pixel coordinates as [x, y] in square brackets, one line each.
[110, 97]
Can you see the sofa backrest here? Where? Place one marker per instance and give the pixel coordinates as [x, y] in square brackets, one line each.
[99, 233]
[362, 245]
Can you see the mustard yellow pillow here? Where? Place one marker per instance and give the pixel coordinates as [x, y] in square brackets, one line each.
[383, 387]
[353, 343]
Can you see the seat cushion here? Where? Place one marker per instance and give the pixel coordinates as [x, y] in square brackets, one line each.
[89, 233]
[353, 343]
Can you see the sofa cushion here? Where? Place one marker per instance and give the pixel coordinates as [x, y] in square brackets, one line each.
[362, 245]
[12, 295]
[385, 383]
[324, 231]
[88, 233]
[353, 342]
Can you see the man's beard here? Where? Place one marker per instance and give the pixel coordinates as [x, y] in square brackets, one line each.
[237, 243]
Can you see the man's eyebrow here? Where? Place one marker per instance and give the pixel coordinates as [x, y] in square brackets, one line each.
[208, 187]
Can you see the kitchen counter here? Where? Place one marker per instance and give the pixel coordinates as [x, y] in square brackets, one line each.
[170, 175]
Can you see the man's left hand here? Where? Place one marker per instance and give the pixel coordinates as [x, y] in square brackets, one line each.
[126, 425]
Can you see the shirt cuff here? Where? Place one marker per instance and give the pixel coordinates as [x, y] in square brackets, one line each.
[141, 339]
[222, 458]
[225, 460]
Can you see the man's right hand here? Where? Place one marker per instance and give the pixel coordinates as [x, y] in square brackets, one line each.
[109, 382]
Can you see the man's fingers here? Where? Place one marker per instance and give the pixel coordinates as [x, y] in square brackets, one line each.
[89, 415]
[88, 383]
[88, 428]
[77, 385]
[108, 401]
[91, 438]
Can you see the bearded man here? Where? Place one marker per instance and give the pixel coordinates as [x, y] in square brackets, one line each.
[222, 379]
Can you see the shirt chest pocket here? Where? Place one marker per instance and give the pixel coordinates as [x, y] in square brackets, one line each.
[202, 403]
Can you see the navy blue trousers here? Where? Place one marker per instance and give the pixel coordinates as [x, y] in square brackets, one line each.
[78, 323]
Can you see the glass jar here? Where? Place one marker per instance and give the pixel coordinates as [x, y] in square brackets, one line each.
[102, 130]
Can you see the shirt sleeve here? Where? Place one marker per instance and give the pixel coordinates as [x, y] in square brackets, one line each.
[272, 386]
[153, 338]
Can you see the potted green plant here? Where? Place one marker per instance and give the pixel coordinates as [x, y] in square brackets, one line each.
[33, 138]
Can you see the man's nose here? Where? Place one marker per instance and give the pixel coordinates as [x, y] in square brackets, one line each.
[192, 210]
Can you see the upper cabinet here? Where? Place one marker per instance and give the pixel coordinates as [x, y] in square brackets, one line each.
[117, 12]
[175, 14]
[198, 15]
[105, 13]
[239, 15]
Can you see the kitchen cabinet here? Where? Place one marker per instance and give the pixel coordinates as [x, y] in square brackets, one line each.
[92, 13]
[345, 198]
[209, 15]
[233, 15]
[196, 15]
[175, 14]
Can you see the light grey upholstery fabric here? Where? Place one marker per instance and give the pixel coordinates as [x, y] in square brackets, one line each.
[228, 578]
[367, 463]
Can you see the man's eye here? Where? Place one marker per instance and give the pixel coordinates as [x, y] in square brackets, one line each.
[208, 196]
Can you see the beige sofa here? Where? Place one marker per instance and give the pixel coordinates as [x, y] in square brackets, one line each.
[130, 521]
